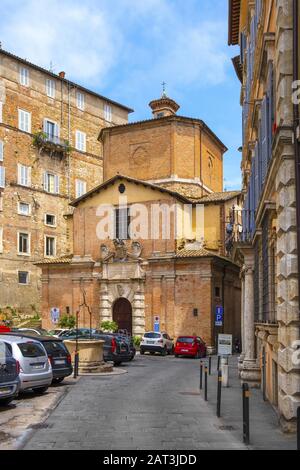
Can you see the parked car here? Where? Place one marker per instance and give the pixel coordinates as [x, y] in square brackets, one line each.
[154, 342]
[4, 329]
[115, 348]
[57, 332]
[9, 375]
[35, 367]
[58, 354]
[79, 333]
[30, 331]
[191, 346]
[130, 343]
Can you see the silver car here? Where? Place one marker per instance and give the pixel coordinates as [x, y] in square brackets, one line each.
[35, 367]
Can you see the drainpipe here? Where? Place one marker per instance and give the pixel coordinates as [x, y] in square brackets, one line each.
[297, 127]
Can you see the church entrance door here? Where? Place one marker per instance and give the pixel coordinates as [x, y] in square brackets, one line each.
[122, 314]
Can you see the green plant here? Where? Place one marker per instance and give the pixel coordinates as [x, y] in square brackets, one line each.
[109, 326]
[67, 321]
[137, 341]
[39, 138]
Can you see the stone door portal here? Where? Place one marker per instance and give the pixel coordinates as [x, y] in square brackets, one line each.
[122, 314]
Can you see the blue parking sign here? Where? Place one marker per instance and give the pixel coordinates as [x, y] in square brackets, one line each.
[219, 315]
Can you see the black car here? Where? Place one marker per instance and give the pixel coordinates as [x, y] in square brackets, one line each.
[129, 341]
[9, 375]
[115, 348]
[58, 355]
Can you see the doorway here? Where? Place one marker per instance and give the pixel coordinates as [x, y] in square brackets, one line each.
[122, 314]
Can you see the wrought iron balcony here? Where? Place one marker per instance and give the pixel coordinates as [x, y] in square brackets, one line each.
[54, 144]
[240, 228]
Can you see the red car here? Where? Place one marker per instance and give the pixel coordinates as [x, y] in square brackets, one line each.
[191, 346]
[4, 329]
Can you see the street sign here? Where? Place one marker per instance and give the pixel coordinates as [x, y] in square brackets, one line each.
[224, 345]
[156, 324]
[55, 313]
[219, 315]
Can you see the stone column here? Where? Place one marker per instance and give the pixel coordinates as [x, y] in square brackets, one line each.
[242, 355]
[138, 310]
[250, 371]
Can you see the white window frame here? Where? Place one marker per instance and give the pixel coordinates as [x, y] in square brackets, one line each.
[1, 239]
[80, 141]
[107, 112]
[2, 177]
[21, 253]
[24, 175]
[28, 278]
[56, 182]
[45, 246]
[56, 128]
[23, 213]
[23, 125]
[45, 219]
[1, 150]
[80, 100]
[24, 76]
[80, 184]
[50, 88]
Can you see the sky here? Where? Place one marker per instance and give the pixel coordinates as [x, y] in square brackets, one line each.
[125, 49]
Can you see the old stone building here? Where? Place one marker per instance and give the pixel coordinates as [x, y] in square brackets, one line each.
[152, 243]
[49, 155]
[267, 243]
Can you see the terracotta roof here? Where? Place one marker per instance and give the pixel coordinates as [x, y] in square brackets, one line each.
[63, 260]
[188, 190]
[111, 181]
[64, 80]
[220, 197]
[173, 117]
[234, 22]
[201, 253]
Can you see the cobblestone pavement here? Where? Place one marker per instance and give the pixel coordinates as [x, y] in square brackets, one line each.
[156, 405]
[26, 413]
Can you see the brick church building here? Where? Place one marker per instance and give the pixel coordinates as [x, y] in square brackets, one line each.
[150, 240]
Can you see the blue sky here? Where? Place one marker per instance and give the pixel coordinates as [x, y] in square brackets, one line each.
[124, 49]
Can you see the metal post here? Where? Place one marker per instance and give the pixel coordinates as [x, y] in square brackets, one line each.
[201, 375]
[205, 383]
[76, 354]
[298, 428]
[218, 366]
[246, 424]
[219, 394]
[209, 365]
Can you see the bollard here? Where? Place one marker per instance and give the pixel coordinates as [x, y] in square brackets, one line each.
[298, 428]
[219, 394]
[201, 375]
[218, 366]
[76, 364]
[209, 365]
[205, 383]
[246, 424]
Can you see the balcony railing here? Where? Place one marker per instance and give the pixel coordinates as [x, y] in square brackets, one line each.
[50, 142]
[240, 228]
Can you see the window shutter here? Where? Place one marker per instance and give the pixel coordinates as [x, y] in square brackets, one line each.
[19, 174]
[264, 139]
[45, 181]
[256, 166]
[1, 151]
[2, 177]
[271, 109]
[28, 176]
[56, 184]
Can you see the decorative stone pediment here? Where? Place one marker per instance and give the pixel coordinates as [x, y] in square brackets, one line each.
[121, 252]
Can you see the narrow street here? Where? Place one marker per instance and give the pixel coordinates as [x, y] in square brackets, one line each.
[156, 405]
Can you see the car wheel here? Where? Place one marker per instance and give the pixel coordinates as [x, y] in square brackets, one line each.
[152, 353]
[58, 380]
[142, 352]
[117, 363]
[164, 352]
[40, 390]
[6, 401]
[176, 355]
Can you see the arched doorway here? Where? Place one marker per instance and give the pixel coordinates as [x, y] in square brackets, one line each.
[122, 314]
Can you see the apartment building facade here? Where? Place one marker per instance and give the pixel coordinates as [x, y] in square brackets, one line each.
[49, 155]
[267, 243]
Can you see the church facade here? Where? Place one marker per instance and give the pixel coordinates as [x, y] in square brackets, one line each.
[150, 241]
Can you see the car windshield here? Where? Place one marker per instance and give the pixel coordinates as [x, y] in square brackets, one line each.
[185, 340]
[152, 335]
[31, 349]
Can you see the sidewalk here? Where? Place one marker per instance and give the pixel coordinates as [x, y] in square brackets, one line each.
[265, 433]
